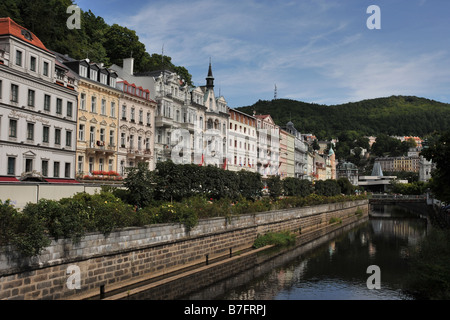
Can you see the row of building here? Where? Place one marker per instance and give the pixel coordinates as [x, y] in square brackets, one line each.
[67, 120]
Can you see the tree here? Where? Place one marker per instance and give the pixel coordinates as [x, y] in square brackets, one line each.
[345, 185]
[438, 151]
[140, 182]
[275, 186]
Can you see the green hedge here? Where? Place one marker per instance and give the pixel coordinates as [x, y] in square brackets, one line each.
[31, 229]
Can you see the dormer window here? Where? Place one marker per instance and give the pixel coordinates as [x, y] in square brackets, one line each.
[93, 75]
[83, 71]
[27, 35]
[103, 78]
[112, 82]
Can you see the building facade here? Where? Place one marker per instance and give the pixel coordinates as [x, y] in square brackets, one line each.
[242, 143]
[38, 112]
[300, 152]
[136, 123]
[268, 150]
[98, 118]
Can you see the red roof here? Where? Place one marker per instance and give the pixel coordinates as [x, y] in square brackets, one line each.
[9, 27]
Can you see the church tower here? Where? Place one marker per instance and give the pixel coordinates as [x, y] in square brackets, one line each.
[210, 78]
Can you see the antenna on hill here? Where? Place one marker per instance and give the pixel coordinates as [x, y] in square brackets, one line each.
[275, 94]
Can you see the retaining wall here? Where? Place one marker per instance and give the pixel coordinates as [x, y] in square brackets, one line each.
[74, 271]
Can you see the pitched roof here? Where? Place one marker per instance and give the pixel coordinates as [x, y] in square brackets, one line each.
[9, 27]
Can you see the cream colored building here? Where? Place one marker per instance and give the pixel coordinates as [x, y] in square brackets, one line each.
[242, 142]
[98, 118]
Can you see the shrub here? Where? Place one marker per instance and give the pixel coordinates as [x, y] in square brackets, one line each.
[284, 238]
[8, 216]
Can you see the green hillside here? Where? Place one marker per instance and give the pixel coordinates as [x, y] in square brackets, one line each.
[395, 115]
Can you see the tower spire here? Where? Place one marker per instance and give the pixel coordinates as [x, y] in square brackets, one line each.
[210, 78]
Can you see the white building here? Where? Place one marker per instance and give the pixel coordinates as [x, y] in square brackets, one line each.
[242, 142]
[268, 135]
[38, 108]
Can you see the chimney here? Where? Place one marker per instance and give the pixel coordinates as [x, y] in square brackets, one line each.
[128, 65]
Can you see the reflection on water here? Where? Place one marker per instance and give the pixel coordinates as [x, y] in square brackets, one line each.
[337, 269]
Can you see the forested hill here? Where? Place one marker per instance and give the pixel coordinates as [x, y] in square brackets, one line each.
[96, 40]
[395, 115]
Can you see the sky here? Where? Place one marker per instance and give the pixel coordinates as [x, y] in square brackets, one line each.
[317, 51]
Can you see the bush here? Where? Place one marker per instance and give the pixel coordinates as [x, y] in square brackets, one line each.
[275, 238]
[327, 188]
[8, 216]
[275, 187]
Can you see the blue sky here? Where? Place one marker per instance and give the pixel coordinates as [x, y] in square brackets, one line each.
[318, 51]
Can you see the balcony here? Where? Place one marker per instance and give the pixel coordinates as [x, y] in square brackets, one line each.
[145, 154]
[162, 121]
[100, 147]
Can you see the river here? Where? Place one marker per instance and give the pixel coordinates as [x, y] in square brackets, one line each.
[337, 269]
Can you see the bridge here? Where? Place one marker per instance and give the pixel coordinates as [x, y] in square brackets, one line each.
[395, 198]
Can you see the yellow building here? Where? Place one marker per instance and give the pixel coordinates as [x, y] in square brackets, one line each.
[98, 119]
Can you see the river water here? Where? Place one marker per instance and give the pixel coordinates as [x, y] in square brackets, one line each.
[337, 269]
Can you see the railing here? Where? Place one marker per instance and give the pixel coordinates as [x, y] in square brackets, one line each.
[98, 145]
[397, 198]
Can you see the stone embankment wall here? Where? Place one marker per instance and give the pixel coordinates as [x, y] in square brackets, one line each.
[75, 271]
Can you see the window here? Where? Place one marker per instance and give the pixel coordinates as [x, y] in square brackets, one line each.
[18, 58]
[102, 134]
[103, 78]
[132, 114]
[148, 118]
[110, 164]
[31, 98]
[45, 70]
[83, 101]
[112, 82]
[111, 137]
[46, 134]
[47, 102]
[1, 86]
[28, 165]
[30, 131]
[68, 138]
[101, 164]
[124, 112]
[81, 132]
[69, 108]
[93, 74]
[12, 128]
[93, 104]
[56, 169]
[58, 106]
[91, 164]
[14, 93]
[92, 134]
[11, 166]
[113, 109]
[141, 116]
[122, 140]
[57, 136]
[44, 170]
[33, 64]
[80, 164]
[67, 170]
[83, 71]
[103, 107]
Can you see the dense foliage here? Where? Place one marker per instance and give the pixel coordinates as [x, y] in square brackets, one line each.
[171, 194]
[438, 150]
[395, 115]
[96, 40]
